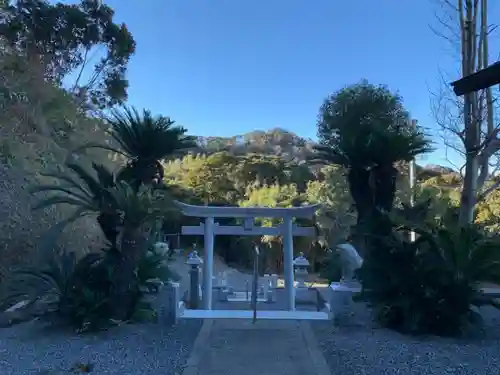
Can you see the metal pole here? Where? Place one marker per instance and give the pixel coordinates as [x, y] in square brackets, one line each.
[255, 279]
[412, 181]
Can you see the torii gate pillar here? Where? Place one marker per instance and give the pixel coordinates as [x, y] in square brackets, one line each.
[288, 257]
[208, 264]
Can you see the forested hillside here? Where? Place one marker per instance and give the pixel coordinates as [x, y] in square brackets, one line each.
[41, 122]
[274, 168]
[287, 145]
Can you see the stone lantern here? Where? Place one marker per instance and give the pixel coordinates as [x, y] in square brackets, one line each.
[301, 265]
[194, 261]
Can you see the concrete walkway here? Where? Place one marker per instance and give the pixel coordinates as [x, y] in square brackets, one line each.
[268, 347]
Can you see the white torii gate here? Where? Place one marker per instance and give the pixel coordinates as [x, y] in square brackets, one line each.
[209, 229]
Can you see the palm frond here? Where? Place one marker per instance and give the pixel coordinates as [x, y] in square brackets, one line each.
[148, 137]
[325, 155]
[143, 206]
[105, 177]
[31, 283]
[79, 188]
[92, 182]
[67, 179]
[72, 201]
[49, 239]
[61, 189]
[86, 191]
[100, 146]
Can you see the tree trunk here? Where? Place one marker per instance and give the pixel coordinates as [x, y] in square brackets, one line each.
[471, 130]
[125, 293]
[110, 223]
[469, 191]
[362, 195]
[359, 187]
[484, 170]
[385, 186]
[477, 132]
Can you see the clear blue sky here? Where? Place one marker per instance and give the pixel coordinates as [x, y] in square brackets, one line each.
[225, 67]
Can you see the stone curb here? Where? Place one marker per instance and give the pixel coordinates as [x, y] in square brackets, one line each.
[317, 358]
[192, 365]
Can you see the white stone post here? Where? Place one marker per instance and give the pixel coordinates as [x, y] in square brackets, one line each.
[208, 268]
[267, 286]
[169, 310]
[270, 285]
[288, 255]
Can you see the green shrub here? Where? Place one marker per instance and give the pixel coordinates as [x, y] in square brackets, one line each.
[430, 286]
[77, 292]
[331, 269]
[153, 270]
[87, 306]
[30, 283]
[65, 289]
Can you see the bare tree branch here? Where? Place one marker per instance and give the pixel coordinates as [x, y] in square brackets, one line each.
[468, 123]
[488, 191]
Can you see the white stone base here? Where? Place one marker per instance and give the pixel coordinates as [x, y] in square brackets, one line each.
[341, 299]
[303, 293]
[248, 314]
[242, 297]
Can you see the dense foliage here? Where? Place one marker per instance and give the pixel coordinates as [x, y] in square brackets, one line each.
[355, 124]
[223, 178]
[64, 37]
[431, 285]
[108, 286]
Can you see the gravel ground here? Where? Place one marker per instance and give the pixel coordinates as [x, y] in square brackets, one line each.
[360, 348]
[140, 349]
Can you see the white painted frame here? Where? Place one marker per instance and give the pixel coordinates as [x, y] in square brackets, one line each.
[209, 229]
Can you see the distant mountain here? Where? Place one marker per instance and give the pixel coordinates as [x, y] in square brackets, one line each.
[286, 144]
[277, 142]
[433, 170]
[439, 169]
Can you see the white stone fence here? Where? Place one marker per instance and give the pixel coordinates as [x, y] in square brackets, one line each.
[339, 295]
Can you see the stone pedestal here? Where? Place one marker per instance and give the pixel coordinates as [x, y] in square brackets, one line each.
[341, 303]
[194, 261]
[168, 300]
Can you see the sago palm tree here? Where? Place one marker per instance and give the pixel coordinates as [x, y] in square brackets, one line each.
[145, 140]
[122, 213]
[138, 208]
[365, 129]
